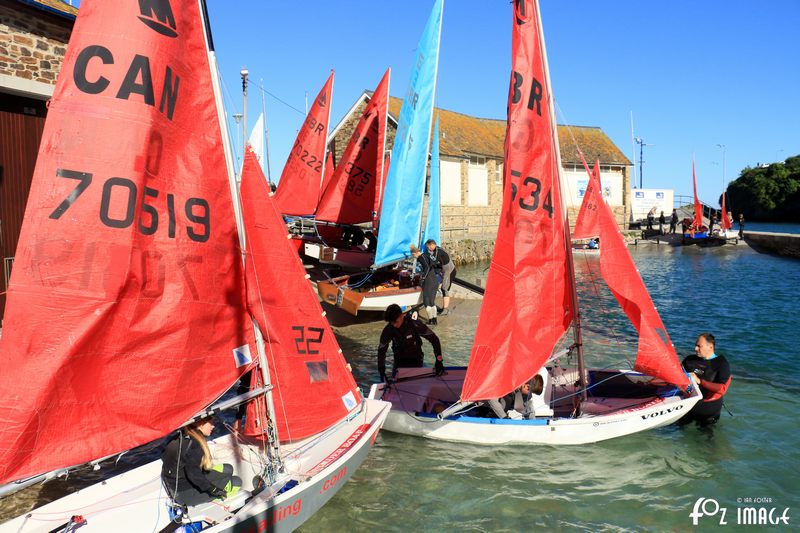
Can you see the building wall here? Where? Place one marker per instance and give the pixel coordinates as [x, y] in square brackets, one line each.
[32, 48]
[471, 208]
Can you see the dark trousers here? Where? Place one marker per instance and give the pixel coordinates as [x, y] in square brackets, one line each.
[192, 496]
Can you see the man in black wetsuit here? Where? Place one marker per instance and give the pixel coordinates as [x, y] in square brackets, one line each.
[710, 372]
[405, 335]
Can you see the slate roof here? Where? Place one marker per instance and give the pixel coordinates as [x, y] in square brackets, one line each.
[463, 134]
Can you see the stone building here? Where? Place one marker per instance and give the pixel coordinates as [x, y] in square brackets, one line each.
[33, 41]
[471, 153]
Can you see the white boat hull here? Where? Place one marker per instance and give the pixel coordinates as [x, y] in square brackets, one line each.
[415, 399]
[137, 501]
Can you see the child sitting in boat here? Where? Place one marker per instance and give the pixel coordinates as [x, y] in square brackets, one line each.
[188, 473]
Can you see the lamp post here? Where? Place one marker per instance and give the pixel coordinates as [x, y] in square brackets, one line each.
[723, 166]
[244, 74]
[641, 144]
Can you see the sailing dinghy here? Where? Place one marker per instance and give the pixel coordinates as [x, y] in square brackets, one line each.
[389, 280]
[131, 308]
[725, 234]
[696, 232]
[351, 200]
[530, 303]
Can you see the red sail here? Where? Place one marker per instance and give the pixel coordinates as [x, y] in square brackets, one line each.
[313, 387]
[301, 180]
[698, 207]
[655, 355]
[126, 311]
[526, 308]
[726, 220]
[351, 196]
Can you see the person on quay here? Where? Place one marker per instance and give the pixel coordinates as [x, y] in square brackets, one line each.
[188, 472]
[710, 372]
[661, 221]
[741, 225]
[405, 335]
[673, 222]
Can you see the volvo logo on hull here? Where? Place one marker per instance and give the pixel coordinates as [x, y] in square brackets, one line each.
[157, 15]
[662, 412]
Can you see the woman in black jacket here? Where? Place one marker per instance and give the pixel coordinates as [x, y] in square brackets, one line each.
[188, 473]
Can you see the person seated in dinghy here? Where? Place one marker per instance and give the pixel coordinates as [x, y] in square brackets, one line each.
[188, 472]
[528, 401]
[405, 336]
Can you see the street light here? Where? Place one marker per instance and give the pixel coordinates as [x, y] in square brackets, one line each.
[641, 144]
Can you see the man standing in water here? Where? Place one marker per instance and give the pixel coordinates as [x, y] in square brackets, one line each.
[405, 335]
[710, 372]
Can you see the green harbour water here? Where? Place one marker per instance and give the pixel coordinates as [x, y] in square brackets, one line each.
[644, 482]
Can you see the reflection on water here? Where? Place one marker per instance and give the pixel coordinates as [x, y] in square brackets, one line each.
[644, 482]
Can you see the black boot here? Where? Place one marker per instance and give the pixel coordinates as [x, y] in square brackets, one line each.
[432, 321]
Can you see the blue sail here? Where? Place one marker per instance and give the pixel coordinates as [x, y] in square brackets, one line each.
[401, 210]
[433, 224]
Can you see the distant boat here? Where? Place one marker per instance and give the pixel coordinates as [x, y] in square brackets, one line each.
[387, 281]
[695, 232]
[530, 304]
[725, 233]
[135, 303]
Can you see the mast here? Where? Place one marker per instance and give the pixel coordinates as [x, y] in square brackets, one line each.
[324, 153]
[272, 442]
[382, 156]
[266, 134]
[576, 321]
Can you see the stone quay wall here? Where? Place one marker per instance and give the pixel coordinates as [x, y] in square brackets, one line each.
[785, 244]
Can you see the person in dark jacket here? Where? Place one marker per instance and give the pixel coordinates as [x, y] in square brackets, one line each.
[405, 334]
[188, 473]
[710, 372]
[430, 271]
[673, 222]
[447, 272]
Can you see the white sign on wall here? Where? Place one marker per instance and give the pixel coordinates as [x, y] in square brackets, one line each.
[643, 200]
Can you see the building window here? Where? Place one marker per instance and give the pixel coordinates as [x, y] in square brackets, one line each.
[477, 161]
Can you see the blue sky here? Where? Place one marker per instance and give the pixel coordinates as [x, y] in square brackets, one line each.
[694, 73]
